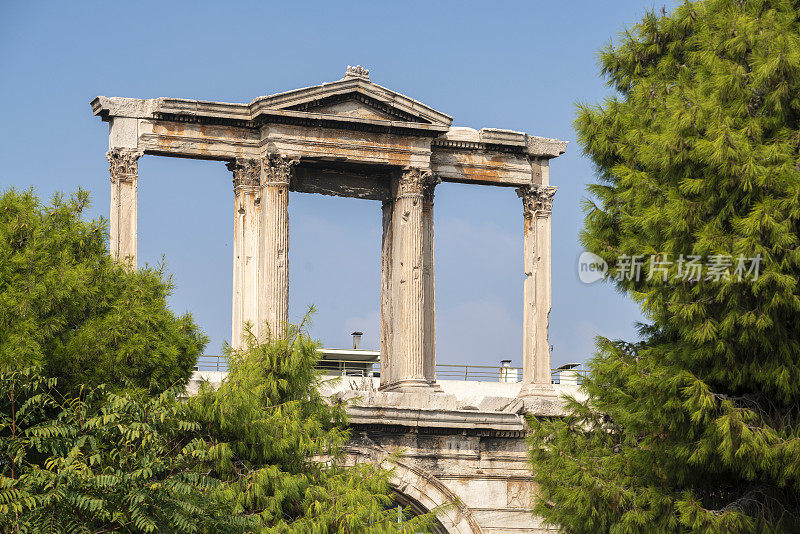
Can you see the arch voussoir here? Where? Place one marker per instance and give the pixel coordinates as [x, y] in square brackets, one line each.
[421, 487]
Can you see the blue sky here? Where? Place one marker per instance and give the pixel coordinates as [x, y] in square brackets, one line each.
[521, 66]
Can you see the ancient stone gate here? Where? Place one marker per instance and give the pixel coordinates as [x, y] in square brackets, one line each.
[351, 138]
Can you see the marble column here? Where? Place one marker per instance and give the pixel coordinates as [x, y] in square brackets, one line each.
[246, 230]
[537, 202]
[124, 171]
[428, 281]
[387, 242]
[274, 283]
[404, 363]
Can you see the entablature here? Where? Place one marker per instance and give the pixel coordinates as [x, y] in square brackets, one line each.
[350, 121]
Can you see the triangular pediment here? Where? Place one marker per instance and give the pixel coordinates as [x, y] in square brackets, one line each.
[353, 97]
[357, 105]
[351, 107]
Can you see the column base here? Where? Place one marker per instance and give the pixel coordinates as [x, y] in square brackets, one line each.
[412, 385]
[537, 390]
[436, 387]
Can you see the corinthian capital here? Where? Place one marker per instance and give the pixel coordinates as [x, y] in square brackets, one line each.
[278, 169]
[413, 182]
[123, 164]
[537, 199]
[246, 172]
[428, 187]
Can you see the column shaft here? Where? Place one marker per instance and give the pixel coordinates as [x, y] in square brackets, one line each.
[274, 287]
[537, 208]
[405, 359]
[124, 174]
[543, 372]
[387, 242]
[429, 284]
[246, 233]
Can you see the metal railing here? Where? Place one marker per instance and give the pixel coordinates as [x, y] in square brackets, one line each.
[208, 362]
[361, 368]
[479, 373]
[574, 376]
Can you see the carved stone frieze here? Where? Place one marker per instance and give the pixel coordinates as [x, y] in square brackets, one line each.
[123, 164]
[537, 199]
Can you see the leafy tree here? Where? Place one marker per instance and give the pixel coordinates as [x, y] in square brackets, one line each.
[261, 454]
[697, 426]
[97, 462]
[67, 307]
[276, 446]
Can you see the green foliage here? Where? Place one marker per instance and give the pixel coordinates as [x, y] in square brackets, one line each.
[264, 453]
[66, 307]
[97, 462]
[696, 428]
[276, 446]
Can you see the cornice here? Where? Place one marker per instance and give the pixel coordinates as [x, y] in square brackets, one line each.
[293, 107]
[414, 417]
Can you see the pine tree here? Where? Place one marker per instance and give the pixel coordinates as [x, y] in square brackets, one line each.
[66, 307]
[696, 427]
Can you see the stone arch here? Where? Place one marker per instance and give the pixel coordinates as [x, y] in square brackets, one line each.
[416, 486]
